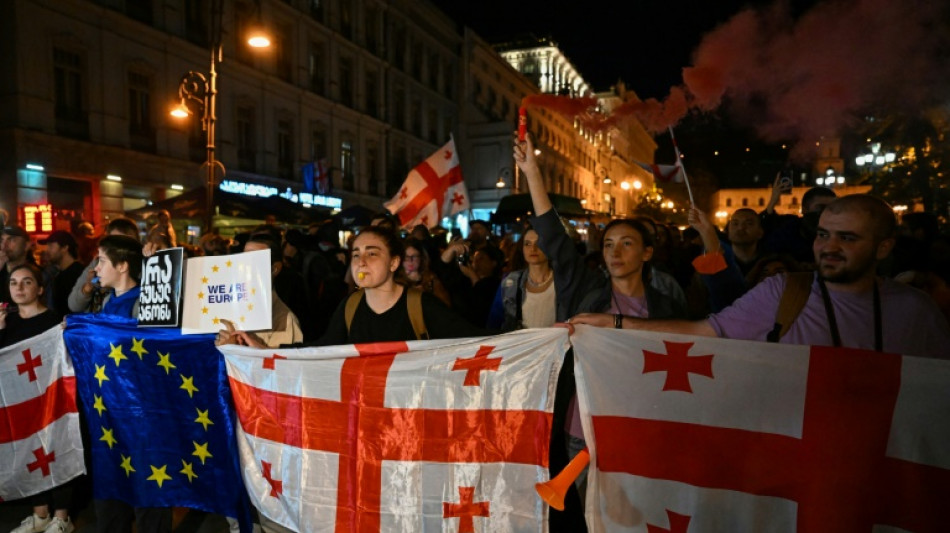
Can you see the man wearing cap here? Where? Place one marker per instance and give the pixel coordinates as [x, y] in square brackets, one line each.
[15, 249]
[62, 250]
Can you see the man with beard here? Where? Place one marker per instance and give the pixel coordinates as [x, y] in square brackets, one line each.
[62, 250]
[848, 304]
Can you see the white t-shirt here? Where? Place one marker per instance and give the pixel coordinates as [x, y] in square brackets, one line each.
[539, 308]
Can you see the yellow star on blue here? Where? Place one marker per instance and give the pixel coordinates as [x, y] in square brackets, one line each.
[101, 374]
[116, 353]
[126, 465]
[164, 361]
[188, 383]
[158, 475]
[138, 347]
[187, 470]
[98, 405]
[203, 418]
[201, 451]
[107, 437]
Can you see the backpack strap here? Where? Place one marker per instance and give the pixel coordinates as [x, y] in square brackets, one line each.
[414, 303]
[352, 302]
[794, 297]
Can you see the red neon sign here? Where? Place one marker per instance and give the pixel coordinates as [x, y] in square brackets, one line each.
[38, 218]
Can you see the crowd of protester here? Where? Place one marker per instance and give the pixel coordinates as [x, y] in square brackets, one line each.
[390, 283]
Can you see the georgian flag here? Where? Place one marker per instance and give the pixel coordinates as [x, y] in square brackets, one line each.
[40, 444]
[701, 434]
[664, 173]
[446, 435]
[434, 189]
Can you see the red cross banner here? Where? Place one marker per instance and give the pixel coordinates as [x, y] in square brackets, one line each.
[704, 434]
[434, 189]
[40, 445]
[445, 435]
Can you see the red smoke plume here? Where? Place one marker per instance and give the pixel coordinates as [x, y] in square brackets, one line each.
[802, 78]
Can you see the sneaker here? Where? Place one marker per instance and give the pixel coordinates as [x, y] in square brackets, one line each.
[32, 524]
[58, 525]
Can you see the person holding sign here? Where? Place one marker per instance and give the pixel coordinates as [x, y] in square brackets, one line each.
[382, 309]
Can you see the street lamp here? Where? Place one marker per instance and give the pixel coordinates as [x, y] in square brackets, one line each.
[875, 158]
[198, 92]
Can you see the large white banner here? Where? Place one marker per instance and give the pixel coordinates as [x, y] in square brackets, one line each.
[447, 435]
[40, 444]
[702, 434]
[233, 287]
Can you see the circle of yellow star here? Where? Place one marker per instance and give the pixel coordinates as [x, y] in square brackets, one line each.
[214, 268]
[164, 361]
[138, 346]
[201, 451]
[253, 291]
[116, 353]
[188, 384]
[107, 437]
[158, 475]
[228, 263]
[203, 418]
[204, 279]
[98, 405]
[126, 465]
[250, 307]
[201, 295]
[242, 319]
[101, 374]
[187, 471]
[204, 310]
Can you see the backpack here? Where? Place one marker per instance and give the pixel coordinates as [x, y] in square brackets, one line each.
[413, 302]
[797, 290]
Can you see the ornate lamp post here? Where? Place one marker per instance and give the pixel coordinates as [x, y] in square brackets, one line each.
[198, 93]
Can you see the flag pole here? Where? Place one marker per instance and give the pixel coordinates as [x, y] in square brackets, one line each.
[679, 161]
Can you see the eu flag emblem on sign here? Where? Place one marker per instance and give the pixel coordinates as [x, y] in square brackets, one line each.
[158, 407]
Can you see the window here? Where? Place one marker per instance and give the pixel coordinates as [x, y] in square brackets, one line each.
[398, 169]
[432, 123]
[745, 202]
[372, 30]
[346, 163]
[448, 82]
[318, 142]
[728, 202]
[317, 68]
[399, 48]
[242, 23]
[433, 68]
[372, 168]
[141, 132]
[140, 10]
[317, 9]
[196, 21]
[69, 78]
[399, 108]
[284, 54]
[372, 94]
[346, 19]
[285, 149]
[246, 145]
[417, 58]
[346, 81]
[415, 115]
[761, 202]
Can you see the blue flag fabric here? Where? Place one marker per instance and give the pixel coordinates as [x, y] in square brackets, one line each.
[160, 417]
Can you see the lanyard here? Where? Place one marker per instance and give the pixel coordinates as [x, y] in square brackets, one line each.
[833, 322]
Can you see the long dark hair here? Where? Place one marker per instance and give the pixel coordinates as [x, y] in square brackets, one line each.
[37, 277]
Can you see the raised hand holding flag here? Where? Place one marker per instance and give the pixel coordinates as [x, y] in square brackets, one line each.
[433, 189]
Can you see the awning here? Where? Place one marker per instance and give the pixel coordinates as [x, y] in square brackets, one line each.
[515, 206]
[191, 205]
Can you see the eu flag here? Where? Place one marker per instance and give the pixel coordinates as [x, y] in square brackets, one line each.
[159, 415]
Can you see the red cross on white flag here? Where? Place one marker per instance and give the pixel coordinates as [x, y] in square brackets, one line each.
[399, 436]
[698, 434]
[434, 189]
[40, 445]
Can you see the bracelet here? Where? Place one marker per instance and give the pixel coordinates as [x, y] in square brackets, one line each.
[618, 321]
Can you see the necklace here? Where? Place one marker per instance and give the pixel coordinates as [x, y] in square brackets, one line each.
[543, 282]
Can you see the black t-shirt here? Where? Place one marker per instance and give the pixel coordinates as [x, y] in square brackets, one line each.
[394, 324]
[61, 286]
[19, 329]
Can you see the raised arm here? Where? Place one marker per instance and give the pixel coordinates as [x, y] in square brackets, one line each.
[524, 158]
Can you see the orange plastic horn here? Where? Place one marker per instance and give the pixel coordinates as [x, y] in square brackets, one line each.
[553, 491]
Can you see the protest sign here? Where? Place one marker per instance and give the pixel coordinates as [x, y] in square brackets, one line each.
[233, 287]
[160, 297]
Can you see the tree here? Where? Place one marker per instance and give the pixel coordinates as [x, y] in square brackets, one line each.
[919, 173]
